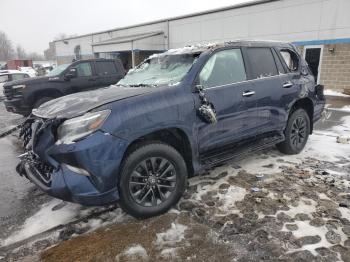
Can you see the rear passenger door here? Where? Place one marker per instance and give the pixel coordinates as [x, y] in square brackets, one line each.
[272, 86]
[107, 72]
[224, 80]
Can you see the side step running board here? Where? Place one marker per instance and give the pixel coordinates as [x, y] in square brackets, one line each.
[240, 150]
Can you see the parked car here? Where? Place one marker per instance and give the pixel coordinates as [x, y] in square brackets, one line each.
[24, 95]
[28, 70]
[10, 75]
[176, 115]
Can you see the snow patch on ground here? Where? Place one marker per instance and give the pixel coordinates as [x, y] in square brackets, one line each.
[175, 234]
[259, 165]
[325, 148]
[46, 218]
[57, 212]
[329, 92]
[135, 252]
[230, 197]
[344, 128]
[169, 253]
[108, 218]
[323, 196]
[346, 108]
[305, 206]
[305, 229]
[345, 212]
[137, 249]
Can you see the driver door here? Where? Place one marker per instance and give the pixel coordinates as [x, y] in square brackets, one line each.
[86, 78]
[225, 84]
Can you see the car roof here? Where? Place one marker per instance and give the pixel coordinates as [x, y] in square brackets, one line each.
[199, 48]
[94, 59]
[7, 72]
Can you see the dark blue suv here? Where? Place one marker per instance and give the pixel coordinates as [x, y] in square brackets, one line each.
[175, 115]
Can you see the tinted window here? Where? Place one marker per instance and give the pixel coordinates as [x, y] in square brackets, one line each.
[224, 67]
[19, 76]
[291, 59]
[262, 61]
[84, 69]
[105, 68]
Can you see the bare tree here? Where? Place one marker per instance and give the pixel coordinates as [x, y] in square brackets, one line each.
[7, 52]
[20, 52]
[35, 56]
[6, 48]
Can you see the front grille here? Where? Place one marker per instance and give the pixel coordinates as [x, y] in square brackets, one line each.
[37, 168]
[8, 92]
[26, 132]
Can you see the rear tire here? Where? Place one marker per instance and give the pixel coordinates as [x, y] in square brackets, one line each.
[296, 133]
[152, 180]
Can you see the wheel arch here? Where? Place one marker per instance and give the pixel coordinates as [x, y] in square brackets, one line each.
[306, 104]
[35, 96]
[174, 137]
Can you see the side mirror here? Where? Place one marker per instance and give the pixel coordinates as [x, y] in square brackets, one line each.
[72, 73]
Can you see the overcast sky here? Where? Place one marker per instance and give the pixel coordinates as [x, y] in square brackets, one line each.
[34, 23]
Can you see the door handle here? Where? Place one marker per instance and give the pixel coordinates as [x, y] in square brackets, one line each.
[287, 84]
[248, 93]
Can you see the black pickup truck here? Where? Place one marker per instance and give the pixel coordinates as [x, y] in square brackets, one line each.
[21, 96]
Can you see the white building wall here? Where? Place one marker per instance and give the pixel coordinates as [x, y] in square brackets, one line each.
[66, 48]
[287, 20]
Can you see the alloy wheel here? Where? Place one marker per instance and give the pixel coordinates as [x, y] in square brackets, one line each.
[298, 132]
[153, 181]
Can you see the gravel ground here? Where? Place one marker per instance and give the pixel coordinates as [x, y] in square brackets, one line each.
[265, 207]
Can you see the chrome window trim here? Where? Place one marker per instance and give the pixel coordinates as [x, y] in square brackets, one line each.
[245, 81]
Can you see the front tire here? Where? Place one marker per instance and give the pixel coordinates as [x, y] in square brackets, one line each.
[42, 101]
[152, 180]
[296, 133]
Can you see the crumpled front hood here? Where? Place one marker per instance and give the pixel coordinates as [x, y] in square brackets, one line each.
[79, 103]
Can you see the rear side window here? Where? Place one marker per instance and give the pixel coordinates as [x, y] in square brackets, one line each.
[291, 59]
[262, 62]
[84, 69]
[105, 68]
[222, 68]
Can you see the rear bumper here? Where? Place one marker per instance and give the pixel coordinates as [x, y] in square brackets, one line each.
[99, 154]
[17, 106]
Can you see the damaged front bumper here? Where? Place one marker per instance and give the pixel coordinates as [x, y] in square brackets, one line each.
[84, 172]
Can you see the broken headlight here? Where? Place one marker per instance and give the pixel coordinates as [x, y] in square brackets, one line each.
[76, 128]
